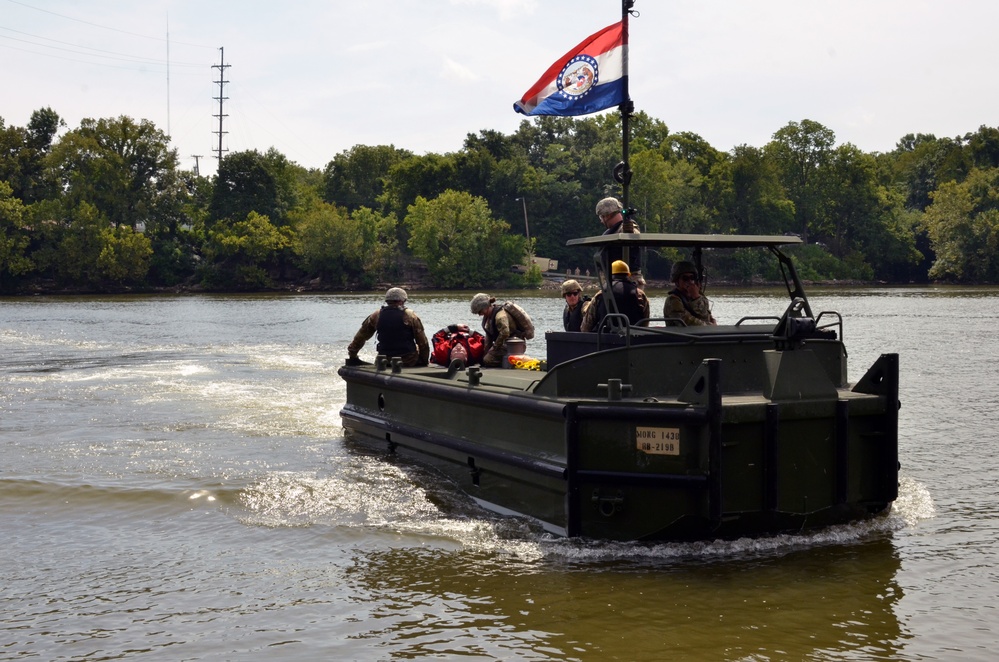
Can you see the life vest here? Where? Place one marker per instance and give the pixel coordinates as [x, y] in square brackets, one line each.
[489, 323]
[573, 319]
[704, 316]
[444, 341]
[626, 297]
[395, 338]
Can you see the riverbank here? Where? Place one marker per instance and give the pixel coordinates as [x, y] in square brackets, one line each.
[550, 282]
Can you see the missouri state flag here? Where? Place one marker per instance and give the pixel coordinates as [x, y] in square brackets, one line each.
[587, 79]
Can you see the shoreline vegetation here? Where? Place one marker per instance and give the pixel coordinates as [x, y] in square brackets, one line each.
[551, 284]
[105, 208]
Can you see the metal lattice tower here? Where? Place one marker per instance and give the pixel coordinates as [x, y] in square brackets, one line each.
[221, 66]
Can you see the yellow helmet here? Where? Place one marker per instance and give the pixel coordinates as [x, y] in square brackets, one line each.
[620, 267]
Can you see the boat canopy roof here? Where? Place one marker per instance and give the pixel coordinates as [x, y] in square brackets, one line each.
[622, 240]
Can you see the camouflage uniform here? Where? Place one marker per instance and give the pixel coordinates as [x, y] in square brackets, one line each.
[692, 313]
[591, 311]
[420, 357]
[499, 327]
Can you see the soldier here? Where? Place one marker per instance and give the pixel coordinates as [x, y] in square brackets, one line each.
[628, 296]
[498, 325]
[610, 213]
[400, 332]
[572, 315]
[685, 301]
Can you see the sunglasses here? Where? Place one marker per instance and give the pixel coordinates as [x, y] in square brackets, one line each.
[688, 278]
[572, 294]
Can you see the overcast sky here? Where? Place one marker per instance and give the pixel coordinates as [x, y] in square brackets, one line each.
[313, 78]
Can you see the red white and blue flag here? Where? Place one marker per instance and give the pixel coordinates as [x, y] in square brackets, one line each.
[587, 79]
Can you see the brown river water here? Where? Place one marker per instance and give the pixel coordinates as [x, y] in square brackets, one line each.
[174, 485]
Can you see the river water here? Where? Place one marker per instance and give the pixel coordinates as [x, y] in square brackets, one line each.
[174, 485]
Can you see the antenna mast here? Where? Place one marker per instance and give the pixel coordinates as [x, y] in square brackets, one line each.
[168, 72]
[623, 171]
[221, 66]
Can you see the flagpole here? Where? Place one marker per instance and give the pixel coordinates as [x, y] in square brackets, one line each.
[622, 173]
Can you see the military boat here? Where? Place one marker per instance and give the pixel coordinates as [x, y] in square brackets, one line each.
[662, 432]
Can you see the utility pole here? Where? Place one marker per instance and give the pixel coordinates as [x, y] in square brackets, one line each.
[221, 66]
[197, 171]
[527, 230]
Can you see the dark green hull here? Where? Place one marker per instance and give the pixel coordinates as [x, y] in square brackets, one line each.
[656, 434]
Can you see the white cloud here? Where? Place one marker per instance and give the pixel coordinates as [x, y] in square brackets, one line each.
[458, 72]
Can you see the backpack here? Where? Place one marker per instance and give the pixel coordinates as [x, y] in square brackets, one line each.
[444, 341]
[520, 316]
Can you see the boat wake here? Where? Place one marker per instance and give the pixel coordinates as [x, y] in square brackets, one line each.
[414, 504]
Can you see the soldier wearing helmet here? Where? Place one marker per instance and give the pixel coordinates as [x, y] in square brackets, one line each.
[575, 304]
[628, 297]
[499, 327]
[685, 301]
[400, 332]
[613, 216]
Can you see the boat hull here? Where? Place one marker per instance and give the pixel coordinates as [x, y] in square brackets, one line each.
[633, 456]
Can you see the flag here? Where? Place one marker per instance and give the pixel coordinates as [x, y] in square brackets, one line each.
[587, 79]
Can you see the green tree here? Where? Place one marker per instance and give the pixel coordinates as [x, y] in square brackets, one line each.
[356, 178]
[379, 247]
[865, 221]
[648, 133]
[963, 227]
[668, 194]
[23, 152]
[176, 239]
[242, 254]
[569, 166]
[801, 151]
[343, 249]
[460, 242]
[14, 238]
[326, 244]
[852, 203]
[892, 248]
[758, 204]
[425, 176]
[123, 168]
[124, 256]
[923, 162]
[253, 182]
[982, 147]
[692, 149]
[556, 208]
[72, 243]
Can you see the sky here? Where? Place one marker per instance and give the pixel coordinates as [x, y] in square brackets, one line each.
[313, 78]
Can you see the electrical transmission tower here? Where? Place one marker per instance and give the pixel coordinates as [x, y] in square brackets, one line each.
[197, 170]
[221, 66]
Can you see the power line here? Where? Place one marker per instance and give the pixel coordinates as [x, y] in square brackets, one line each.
[97, 64]
[96, 51]
[98, 25]
[119, 57]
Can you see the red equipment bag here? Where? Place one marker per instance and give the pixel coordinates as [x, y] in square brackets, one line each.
[444, 341]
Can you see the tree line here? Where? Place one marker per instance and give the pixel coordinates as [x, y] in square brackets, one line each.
[106, 207]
